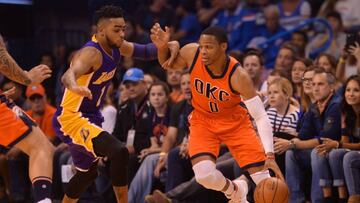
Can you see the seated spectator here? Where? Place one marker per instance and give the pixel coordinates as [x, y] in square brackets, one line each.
[300, 39]
[41, 111]
[297, 72]
[133, 121]
[272, 27]
[283, 115]
[293, 12]
[190, 28]
[176, 139]
[143, 181]
[230, 19]
[339, 37]
[348, 10]
[286, 58]
[173, 79]
[307, 96]
[327, 62]
[149, 79]
[157, 11]
[253, 63]
[330, 154]
[321, 121]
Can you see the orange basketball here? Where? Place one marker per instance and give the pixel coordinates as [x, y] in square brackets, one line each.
[271, 190]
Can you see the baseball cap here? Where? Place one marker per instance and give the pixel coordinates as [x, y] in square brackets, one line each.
[35, 89]
[134, 75]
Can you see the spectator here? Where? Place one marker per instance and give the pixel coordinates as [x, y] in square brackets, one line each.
[133, 121]
[190, 28]
[307, 96]
[149, 79]
[230, 19]
[297, 72]
[348, 10]
[327, 62]
[177, 137]
[157, 12]
[173, 79]
[41, 111]
[349, 63]
[286, 58]
[283, 116]
[330, 155]
[339, 37]
[299, 39]
[253, 63]
[264, 32]
[293, 12]
[50, 84]
[321, 121]
[143, 181]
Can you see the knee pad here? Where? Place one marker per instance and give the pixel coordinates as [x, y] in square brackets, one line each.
[208, 176]
[119, 152]
[80, 181]
[259, 176]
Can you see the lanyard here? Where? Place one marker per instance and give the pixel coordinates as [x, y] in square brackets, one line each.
[139, 111]
[282, 119]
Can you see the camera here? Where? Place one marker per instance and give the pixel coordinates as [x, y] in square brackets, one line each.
[351, 38]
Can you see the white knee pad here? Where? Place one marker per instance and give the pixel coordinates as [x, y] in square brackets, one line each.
[259, 176]
[208, 176]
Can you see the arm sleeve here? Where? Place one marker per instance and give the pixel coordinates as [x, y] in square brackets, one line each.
[257, 111]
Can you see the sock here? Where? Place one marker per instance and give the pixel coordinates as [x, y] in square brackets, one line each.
[42, 189]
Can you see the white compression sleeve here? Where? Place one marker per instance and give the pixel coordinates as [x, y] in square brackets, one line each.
[257, 111]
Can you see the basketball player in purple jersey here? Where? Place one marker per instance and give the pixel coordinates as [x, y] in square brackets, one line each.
[78, 118]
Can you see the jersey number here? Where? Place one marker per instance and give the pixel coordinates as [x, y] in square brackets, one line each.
[213, 107]
[101, 95]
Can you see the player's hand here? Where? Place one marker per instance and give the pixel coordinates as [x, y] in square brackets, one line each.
[271, 164]
[39, 73]
[160, 37]
[160, 165]
[174, 48]
[82, 91]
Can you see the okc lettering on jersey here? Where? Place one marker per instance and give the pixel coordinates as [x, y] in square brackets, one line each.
[105, 76]
[210, 91]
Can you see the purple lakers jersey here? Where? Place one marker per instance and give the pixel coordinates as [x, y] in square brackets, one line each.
[97, 82]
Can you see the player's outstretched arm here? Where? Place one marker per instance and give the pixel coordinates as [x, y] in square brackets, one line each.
[12, 70]
[85, 61]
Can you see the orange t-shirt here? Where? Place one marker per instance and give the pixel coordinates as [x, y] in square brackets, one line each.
[213, 95]
[45, 122]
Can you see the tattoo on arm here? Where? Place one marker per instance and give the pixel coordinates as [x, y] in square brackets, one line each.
[11, 69]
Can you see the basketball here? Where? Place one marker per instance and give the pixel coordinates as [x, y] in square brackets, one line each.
[271, 190]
